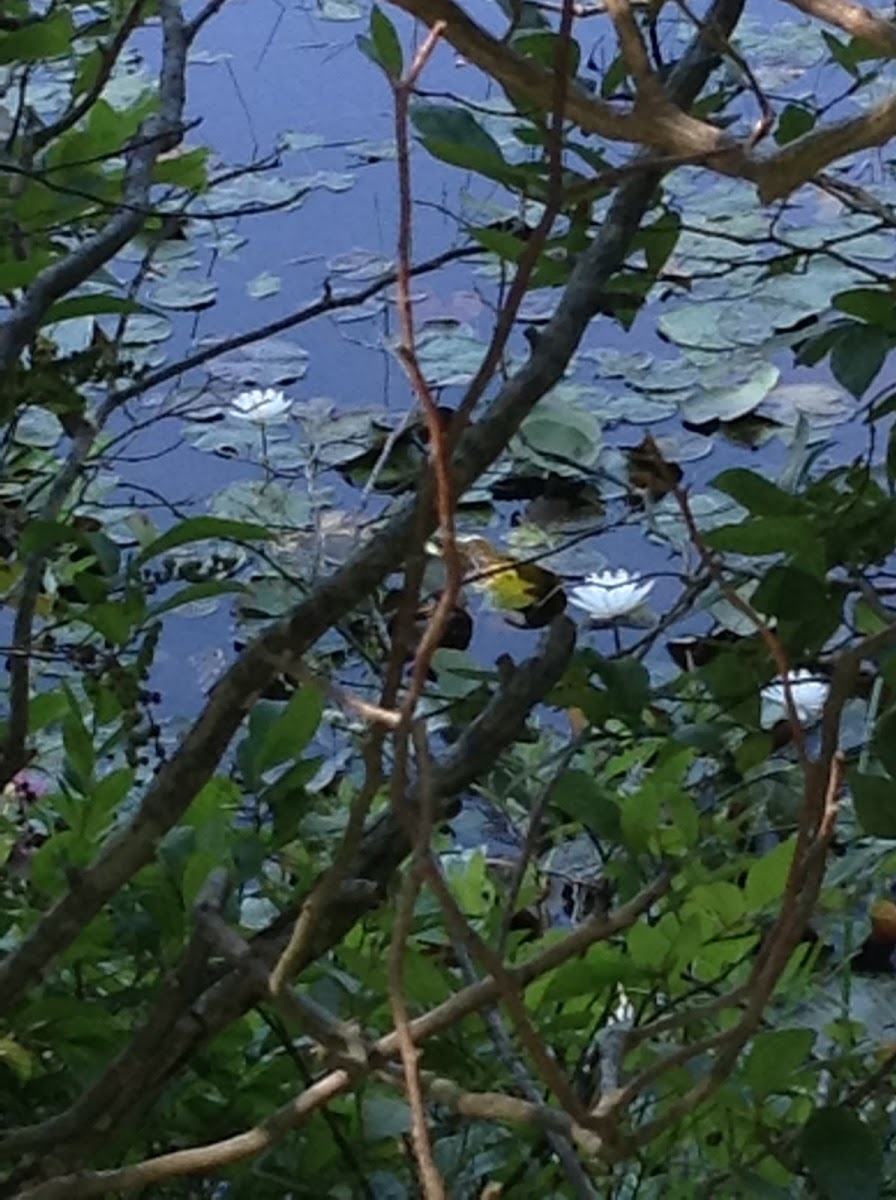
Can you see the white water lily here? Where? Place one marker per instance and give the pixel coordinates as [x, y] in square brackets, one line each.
[611, 595]
[808, 692]
[261, 405]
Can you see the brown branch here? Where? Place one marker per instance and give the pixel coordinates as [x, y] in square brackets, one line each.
[634, 52]
[433, 1185]
[805, 157]
[510, 1110]
[547, 1066]
[439, 446]
[204, 1159]
[190, 766]
[766, 112]
[665, 127]
[559, 1143]
[854, 19]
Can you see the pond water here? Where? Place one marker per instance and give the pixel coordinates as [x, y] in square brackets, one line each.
[265, 75]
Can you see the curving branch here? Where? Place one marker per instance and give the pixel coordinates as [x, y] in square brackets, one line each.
[663, 125]
[660, 124]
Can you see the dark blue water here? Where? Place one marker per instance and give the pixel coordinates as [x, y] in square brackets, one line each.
[262, 69]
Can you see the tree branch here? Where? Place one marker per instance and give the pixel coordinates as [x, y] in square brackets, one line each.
[158, 134]
[194, 761]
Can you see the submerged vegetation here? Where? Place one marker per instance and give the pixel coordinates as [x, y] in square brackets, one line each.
[493, 793]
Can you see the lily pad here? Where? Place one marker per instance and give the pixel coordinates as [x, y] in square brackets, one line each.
[340, 10]
[741, 395]
[265, 284]
[559, 436]
[37, 427]
[263, 364]
[449, 353]
[822, 403]
[185, 294]
[263, 502]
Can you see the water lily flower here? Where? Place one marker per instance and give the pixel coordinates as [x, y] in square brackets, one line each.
[808, 692]
[611, 595]
[261, 405]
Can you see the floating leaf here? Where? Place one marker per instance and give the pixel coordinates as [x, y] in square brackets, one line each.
[512, 586]
[734, 399]
[186, 294]
[449, 353]
[559, 436]
[264, 364]
[265, 284]
[340, 10]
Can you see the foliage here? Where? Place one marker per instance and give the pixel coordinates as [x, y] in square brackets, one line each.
[633, 883]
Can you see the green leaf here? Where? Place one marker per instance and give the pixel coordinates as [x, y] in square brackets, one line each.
[385, 1117]
[858, 355]
[105, 797]
[90, 305]
[542, 45]
[767, 877]
[456, 137]
[794, 121]
[194, 592]
[200, 529]
[885, 739]
[775, 1057]
[660, 239]
[38, 536]
[447, 123]
[385, 43]
[579, 795]
[871, 305]
[46, 709]
[78, 743]
[648, 947]
[198, 868]
[16, 1058]
[842, 1155]
[117, 620]
[640, 818]
[291, 732]
[874, 798]
[187, 170]
[628, 683]
[762, 535]
[47, 39]
[757, 493]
